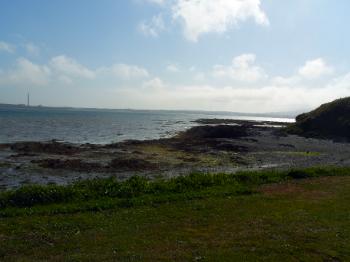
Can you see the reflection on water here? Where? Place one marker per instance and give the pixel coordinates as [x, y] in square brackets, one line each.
[99, 126]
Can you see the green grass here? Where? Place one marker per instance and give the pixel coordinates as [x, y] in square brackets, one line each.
[136, 187]
[248, 216]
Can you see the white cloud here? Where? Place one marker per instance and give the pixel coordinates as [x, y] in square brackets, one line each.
[243, 68]
[68, 66]
[141, 90]
[26, 73]
[172, 68]
[341, 82]
[286, 81]
[315, 68]
[124, 71]
[267, 98]
[155, 84]
[313, 74]
[6, 47]
[66, 71]
[205, 16]
[153, 27]
[158, 2]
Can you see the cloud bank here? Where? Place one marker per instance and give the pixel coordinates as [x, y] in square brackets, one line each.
[242, 85]
[243, 69]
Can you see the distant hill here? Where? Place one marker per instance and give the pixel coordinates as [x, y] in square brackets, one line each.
[331, 120]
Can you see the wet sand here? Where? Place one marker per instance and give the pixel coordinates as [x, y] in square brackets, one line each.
[215, 146]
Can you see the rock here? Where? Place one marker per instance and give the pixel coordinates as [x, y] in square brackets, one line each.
[131, 164]
[230, 147]
[50, 148]
[219, 131]
[69, 164]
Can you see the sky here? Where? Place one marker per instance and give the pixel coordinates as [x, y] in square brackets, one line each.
[223, 55]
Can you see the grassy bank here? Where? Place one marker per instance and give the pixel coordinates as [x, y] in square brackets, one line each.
[330, 121]
[100, 194]
[248, 216]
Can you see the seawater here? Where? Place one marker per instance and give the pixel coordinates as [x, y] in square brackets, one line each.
[100, 126]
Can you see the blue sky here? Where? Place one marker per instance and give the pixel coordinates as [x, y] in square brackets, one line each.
[235, 55]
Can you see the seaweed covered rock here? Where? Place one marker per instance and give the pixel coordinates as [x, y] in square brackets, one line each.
[131, 164]
[331, 120]
[52, 147]
[69, 164]
[219, 131]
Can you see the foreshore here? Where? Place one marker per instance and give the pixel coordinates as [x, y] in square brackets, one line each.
[251, 197]
[215, 146]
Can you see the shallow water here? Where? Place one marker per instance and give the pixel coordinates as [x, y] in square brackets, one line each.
[99, 126]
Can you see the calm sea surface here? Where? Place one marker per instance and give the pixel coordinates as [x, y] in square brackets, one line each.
[99, 126]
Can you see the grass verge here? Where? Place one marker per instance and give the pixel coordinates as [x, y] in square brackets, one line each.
[201, 217]
[102, 194]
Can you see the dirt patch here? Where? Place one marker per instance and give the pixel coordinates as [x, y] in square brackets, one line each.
[288, 188]
[313, 188]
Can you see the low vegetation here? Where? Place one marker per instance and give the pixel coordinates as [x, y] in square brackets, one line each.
[248, 216]
[141, 189]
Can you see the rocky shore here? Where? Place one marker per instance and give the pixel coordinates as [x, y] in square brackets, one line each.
[213, 146]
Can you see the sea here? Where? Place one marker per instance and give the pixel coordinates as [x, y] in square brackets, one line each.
[103, 126]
